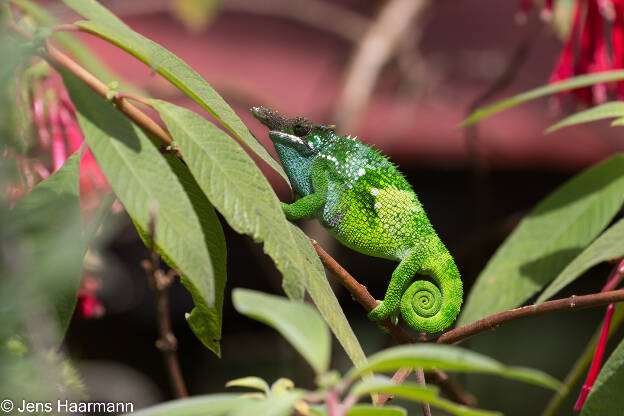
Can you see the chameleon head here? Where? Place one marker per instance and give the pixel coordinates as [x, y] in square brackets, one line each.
[297, 134]
[297, 142]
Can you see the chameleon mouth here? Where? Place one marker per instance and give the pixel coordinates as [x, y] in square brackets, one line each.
[289, 138]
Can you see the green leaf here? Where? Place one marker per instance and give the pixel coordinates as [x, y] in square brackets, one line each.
[250, 382]
[447, 357]
[606, 110]
[146, 186]
[415, 392]
[204, 320]
[48, 226]
[608, 245]
[239, 191]
[605, 397]
[209, 405]
[383, 384]
[108, 26]
[325, 300]
[569, 84]
[618, 122]
[275, 405]
[237, 188]
[363, 410]
[547, 239]
[370, 410]
[298, 322]
[69, 42]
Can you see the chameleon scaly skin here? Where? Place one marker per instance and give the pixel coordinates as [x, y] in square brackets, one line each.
[366, 203]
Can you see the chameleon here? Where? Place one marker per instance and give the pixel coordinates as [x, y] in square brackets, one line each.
[366, 203]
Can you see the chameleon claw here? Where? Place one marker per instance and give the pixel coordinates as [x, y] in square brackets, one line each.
[394, 318]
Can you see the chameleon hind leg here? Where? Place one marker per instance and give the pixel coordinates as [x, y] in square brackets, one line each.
[423, 305]
[399, 282]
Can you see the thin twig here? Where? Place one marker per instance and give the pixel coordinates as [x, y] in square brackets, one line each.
[573, 303]
[128, 96]
[378, 45]
[58, 59]
[333, 403]
[70, 27]
[420, 376]
[517, 59]
[166, 342]
[363, 297]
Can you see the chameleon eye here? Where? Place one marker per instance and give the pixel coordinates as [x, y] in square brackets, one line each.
[301, 130]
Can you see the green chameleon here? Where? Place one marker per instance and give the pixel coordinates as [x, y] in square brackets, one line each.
[366, 203]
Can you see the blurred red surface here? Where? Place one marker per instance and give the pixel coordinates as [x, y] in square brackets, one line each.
[298, 69]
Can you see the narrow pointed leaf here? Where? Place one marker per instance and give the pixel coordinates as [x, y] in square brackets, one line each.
[68, 41]
[108, 26]
[325, 300]
[447, 357]
[605, 398]
[298, 322]
[145, 184]
[547, 239]
[363, 410]
[606, 110]
[236, 187]
[205, 320]
[48, 223]
[250, 382]
[569, 84]
[209, 405]
[415, 392]
[370, 410]
[618, 122]
[276, 405]
[609, 245]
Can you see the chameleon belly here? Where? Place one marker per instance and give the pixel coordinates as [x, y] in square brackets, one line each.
[373, 221]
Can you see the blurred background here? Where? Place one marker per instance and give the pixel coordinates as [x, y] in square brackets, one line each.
[400, 75]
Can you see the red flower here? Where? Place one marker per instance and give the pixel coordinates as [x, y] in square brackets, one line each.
[586, 50]
[89, 306]
[58, 136]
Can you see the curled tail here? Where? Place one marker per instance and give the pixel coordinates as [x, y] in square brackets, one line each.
[430, 308]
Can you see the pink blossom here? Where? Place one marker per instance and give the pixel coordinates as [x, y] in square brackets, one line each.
[89, 306]
[586, 50]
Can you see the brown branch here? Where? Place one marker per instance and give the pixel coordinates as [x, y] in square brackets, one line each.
[58, 59]
[420, 376]
[166, 342]
[573, 303]
[363, 297]
[124, 95]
